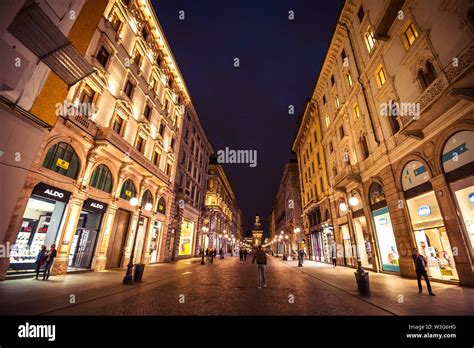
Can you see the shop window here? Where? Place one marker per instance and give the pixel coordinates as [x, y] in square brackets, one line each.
[409, 35]
[103, 56]
[62, 159]
[458, 151]
[128, 190]
[147, 198]
[102, 178]
[380, 76]
[369, 39]
[427, 75]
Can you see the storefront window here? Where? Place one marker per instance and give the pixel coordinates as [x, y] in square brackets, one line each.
[346, 237]
[431, 237]
[186, 238]
[61, 158]
[465, 199]
[386, 240]
[364, 247]
[42, 221]
[155, 241]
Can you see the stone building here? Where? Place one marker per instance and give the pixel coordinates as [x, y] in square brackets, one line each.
[286, 212]
[191, 185]
[115, 142]
[394, 103]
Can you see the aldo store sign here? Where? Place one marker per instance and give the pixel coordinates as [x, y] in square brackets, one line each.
[51, 192]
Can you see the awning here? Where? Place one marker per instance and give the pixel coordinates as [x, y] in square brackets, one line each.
[34, 29]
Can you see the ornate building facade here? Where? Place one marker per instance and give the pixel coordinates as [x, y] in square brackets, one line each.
[394, 101]
[221, 224]
[116, 140]
[191, 184]
[286, 212]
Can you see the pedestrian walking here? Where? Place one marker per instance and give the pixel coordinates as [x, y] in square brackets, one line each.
[211, 256]
[221, 253]
[40, 258]
[261, 259]
[334, 256]
[301, 257]
[215, 253]
[245, 255]
[420, 267]
[241, 255]
[49, 259]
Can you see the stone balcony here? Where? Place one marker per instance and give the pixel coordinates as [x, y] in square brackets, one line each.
[107, 134]
[84, 123]
[348, 174]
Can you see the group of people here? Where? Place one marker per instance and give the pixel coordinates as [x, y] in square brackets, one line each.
[211, 254]
[45, 259]
[243, 255]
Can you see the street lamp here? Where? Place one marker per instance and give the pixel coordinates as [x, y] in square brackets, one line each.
[128, 279]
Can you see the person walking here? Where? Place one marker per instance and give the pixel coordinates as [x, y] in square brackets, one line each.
[49, 259]
[420, 267]
[40, 258]
[211, 256]
[221, 253]
[261, 259]
[334, 256]
[241, 255]
[245, 255]
[301, 257]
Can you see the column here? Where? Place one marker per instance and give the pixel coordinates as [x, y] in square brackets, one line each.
[100, 256]
[460, 248]
[71, 219]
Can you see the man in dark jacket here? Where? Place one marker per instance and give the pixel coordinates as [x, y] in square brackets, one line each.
[50, 256]
[420, 267]
[261, 259]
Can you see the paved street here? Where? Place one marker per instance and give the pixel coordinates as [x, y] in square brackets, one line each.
[229, 288]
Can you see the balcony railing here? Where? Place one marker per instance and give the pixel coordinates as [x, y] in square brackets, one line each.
[120, 143]
[350, 173]
[85, 123]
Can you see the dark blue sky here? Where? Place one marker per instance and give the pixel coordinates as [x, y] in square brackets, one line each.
[247, 107]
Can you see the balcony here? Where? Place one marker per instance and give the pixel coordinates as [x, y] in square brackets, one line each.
[84, 123]
[107, 134]
[350, 173]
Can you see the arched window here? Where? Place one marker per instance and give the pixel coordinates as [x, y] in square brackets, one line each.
[414, 174]
[102, 178]
[147, 198]
[458, 152]
[161, 206]
[61, 158]
[364, 148]
[376, 193]
[128, 190]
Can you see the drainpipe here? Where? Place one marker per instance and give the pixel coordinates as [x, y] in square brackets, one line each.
[364, 92]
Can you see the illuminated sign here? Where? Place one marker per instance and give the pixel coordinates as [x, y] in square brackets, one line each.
[471, 198]
[424, 210]
[382, 221]
[62, 164]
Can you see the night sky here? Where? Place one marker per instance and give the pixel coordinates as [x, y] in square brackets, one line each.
[248, 107]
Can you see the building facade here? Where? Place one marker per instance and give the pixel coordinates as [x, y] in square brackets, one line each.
[286, 212]
[29, 73]
[117, 137]
[191, 184]
[220, 228]
[394, 100]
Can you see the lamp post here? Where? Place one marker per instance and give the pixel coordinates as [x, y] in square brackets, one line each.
[204, 230]
[128, 279]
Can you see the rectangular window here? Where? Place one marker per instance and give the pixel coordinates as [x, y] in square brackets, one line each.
[147, 112]
[361, 14]
[128, 90]
[349, 79]
[145, 33]
[168, 169]
[103, 56]
[137, 58]
[140, 144]
[87, 95]
[332, 80]
[356, 111]
[380, 76]
[409, 35]
[369, 39]
[341, 132]
[331, 147]
[162, 129]
[156, 158]
[343, 55]
[116, 22]
[328, 120]
[324, 100]
[172, 144]
[337, 102]
[117, 125]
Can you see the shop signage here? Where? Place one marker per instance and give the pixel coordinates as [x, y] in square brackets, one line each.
[471, 198]
[62, 163]
[94, 206]
[55, 193]
[382, 221]
[424, 210]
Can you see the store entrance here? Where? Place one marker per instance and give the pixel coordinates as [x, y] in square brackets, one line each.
[118, 237]
[84, 241]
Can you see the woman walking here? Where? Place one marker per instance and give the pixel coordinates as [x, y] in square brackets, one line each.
[50, 255]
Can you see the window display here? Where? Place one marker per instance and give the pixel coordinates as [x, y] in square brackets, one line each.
[186, 238]
[346, 237]
[42, 221]
[465, 199]
[364, 247]
[386, 240]
[155, 241]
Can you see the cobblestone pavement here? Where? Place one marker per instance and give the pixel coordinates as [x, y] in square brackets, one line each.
[229, 288]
